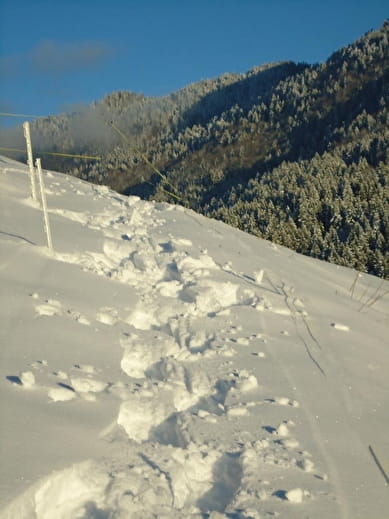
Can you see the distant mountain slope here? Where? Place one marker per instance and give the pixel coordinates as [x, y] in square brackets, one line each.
[294, 153]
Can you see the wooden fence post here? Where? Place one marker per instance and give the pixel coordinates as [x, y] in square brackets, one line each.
[44, 205]
[30, 160]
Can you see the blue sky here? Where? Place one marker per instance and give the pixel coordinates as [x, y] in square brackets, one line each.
[55, 55]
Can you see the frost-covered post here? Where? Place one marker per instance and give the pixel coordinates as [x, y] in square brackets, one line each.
[44, 205]
[30, 160]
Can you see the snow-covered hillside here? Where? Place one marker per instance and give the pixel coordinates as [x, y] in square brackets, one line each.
[162, 365]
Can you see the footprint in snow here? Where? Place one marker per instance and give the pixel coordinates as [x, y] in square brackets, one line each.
[61, 374]
[26, 379]
[52, 307]
[86, 368]
[78, 386]
[107, 315]
[38, 364]
[260, 354]
[283, 401]
[69, 387]
[77, 316]
[61, 393]
[49, 308]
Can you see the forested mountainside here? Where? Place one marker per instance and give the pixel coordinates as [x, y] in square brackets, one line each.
[294, 153]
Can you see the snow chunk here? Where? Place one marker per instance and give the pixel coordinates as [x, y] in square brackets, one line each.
[243, 341]
[50, 308]
[142, 318]
[140, 413]
[61, 394]
[147, 408]
[83, 320]
[191, 474]
[281, 311]
[87, 385]
[86, 368]
[290, 443]
[107, 316]
[27, 378]
[296, 495]
[191, 268]
[285, 401]
[117, 249]
[258, 276]
[141, 353]
[340, 327]
[245, 382]
[239, 410]
[282, 430]
[169, 288]
[213, 296]
[65, 493]
[306, 464]
[61, 374]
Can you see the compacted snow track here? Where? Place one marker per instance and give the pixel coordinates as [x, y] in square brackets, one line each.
[160, 364]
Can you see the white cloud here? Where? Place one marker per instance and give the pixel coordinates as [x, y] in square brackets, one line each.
[54, 59]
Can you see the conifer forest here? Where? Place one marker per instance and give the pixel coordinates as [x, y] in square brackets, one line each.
[290, 152]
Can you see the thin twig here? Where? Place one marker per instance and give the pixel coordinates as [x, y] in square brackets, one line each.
[373, 298]
[380, 296]
[354, 284]
[364, 292]
[375, 293]
[377, 462]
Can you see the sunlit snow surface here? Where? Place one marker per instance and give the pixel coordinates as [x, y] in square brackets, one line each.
[163, 365]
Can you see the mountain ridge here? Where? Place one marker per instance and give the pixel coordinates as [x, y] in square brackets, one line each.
[256, 149]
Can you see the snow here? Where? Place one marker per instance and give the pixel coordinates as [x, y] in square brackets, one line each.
[162, 365]
[296, 495]
[341, 327]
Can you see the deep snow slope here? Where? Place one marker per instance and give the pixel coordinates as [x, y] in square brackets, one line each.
[162, 365]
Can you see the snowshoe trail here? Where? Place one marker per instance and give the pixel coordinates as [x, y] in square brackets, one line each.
[198, 374]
